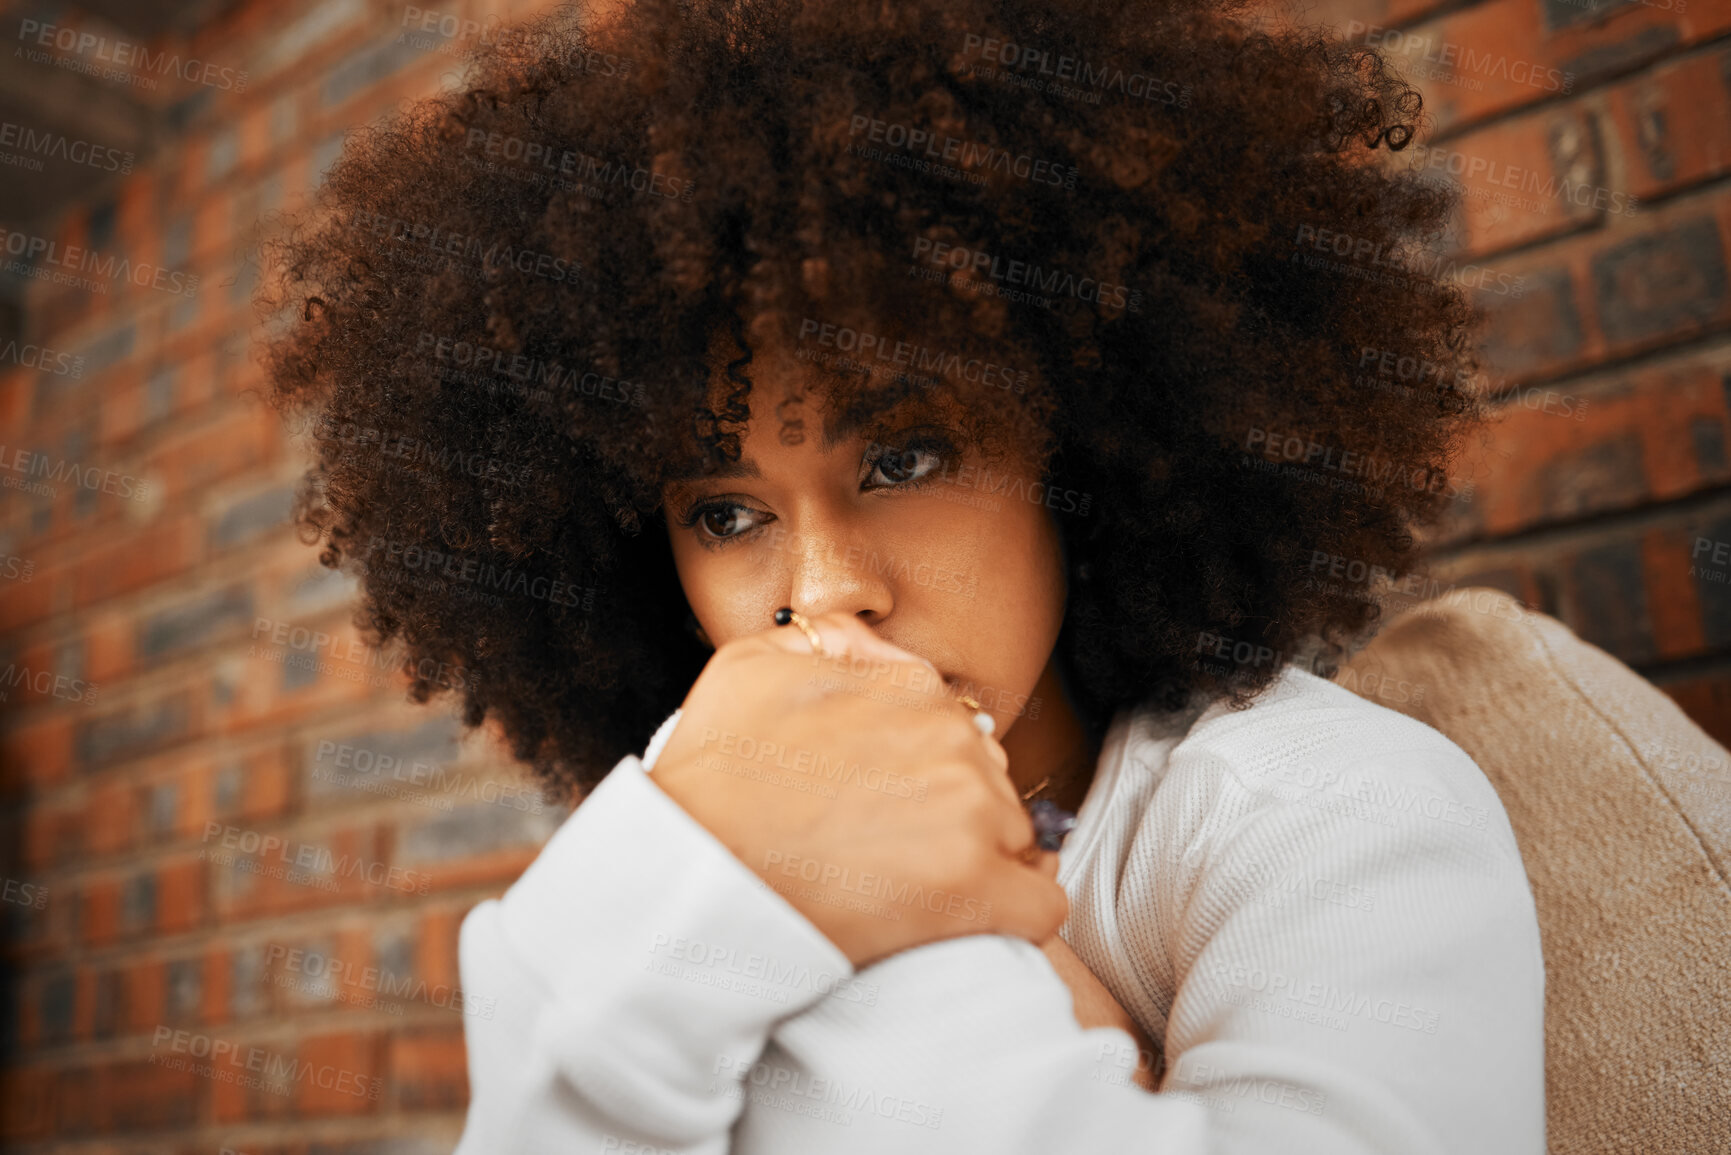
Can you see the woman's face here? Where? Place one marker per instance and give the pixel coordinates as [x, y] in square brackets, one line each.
[892, 524]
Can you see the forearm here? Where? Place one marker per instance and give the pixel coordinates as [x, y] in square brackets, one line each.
[633, 975]
[1094, 1006]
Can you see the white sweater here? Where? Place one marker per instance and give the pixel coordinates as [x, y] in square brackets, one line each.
[1315, 906]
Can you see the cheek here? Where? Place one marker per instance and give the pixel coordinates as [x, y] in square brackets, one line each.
[1023, 583]
[1010, 626]
[729, 596]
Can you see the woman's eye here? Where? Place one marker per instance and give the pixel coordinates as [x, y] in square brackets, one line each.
[900, 466]
[724, 521]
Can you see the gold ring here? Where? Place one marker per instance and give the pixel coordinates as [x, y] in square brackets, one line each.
[794, 617]
[983, 722]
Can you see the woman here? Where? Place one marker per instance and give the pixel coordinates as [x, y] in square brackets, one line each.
[823, 431]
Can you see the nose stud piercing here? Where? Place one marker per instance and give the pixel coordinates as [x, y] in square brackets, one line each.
[786, 615]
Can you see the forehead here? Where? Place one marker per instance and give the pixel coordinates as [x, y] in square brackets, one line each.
[791, 418]
[793, 399]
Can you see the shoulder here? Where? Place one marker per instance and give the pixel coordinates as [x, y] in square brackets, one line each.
[1309, 757]
[1300, 712]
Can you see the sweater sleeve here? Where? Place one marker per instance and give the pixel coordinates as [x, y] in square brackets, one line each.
[1301, 1025]
[628, 980]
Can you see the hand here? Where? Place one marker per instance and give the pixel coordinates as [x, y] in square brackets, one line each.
[1094, 1006]
[876, 808]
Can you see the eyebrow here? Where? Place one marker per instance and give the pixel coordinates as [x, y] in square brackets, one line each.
[744, 467]
[836, 429]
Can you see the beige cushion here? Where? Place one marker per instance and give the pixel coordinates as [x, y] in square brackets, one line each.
[1622, 807]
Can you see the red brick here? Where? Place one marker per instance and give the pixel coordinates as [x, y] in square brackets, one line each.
[27, 1104]
[180, 902]
[240, 440]
[145, 987]
[429, 1069]
[28, 602]
[1561, 452]
[346, 1078]
[139, 558]
[1669, 136]
[1653, 280]
[281, 886]
[111, 820]
[1586, 51]
[38, 753]
[1522, 179]
[39, 837]
[244, 1100]
[1706, 698]
[1676, 604]
[99, 911]
[108, 639]
[142, 1096]
[436, 945]
[218, 986]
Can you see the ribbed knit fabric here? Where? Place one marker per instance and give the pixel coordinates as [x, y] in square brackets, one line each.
[1316, 903]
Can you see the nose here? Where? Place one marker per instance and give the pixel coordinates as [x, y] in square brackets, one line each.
[834, 570]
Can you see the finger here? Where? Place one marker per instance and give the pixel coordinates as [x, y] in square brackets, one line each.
[1026, 904]
[1016, 836]
[843, 635]
[996, 752]
[860, 651]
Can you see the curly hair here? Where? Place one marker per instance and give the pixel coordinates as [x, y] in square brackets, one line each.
[502, 307]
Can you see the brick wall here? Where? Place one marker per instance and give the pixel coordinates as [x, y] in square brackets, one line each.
[1592, 141]
[235, 860]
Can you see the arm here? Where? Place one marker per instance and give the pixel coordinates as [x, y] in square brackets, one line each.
[1308, 1025]
[624, 984]
[637, 967]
